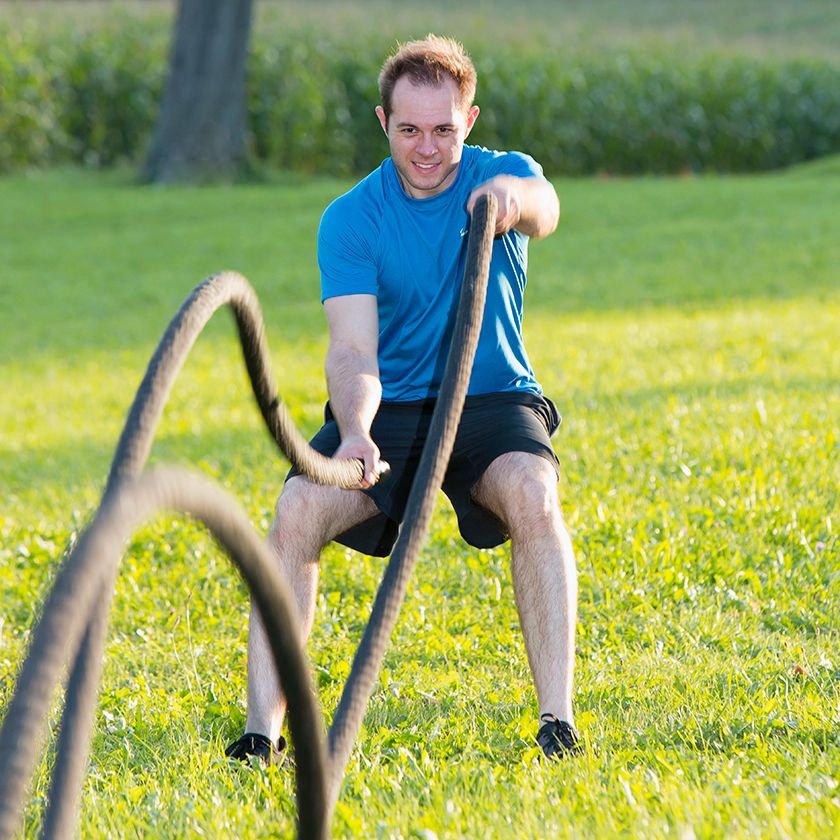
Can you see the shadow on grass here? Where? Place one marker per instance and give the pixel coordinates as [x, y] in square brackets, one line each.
[95, 268]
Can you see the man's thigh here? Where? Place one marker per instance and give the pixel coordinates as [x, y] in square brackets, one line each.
[492, 427]
[515, 482]
[399, 431]
[319, 513]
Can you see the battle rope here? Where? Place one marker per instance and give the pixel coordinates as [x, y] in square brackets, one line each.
[421, 500]
[75, 617]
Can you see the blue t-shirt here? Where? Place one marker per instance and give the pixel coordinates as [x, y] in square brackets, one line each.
[411, 253]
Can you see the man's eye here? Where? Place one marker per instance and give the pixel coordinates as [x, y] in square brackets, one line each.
[409, 131]
[444, 131]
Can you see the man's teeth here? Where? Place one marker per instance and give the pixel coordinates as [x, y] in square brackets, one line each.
[425, 165]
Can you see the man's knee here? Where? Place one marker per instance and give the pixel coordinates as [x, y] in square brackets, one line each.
[310, 515]
[298, 514]
[524, 486]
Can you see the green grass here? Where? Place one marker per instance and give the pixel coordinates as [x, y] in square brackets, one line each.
[757, 27]
[687, 329]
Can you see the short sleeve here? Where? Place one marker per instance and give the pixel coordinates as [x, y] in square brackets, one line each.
[345, 251]
[514, 163]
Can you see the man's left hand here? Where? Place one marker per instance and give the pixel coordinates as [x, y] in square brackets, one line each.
[528, 204]
[506, 190]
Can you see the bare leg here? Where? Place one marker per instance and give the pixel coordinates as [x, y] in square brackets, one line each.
[521, 489]
[306, 518]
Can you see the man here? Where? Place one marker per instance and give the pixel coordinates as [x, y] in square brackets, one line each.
[392, 253]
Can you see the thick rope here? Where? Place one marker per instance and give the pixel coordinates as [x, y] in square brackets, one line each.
[75, 620]
[72, 599]
[132, 452]
[77, 719]
[233, 289]
[421, 500]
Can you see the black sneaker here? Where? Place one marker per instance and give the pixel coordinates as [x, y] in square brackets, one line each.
[558, 738]
[252, 743]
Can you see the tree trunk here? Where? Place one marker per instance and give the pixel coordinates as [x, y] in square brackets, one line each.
[202, 129]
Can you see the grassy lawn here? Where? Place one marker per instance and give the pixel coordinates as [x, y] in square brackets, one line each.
[686, 328]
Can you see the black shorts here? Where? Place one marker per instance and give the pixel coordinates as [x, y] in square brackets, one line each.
[491, 425]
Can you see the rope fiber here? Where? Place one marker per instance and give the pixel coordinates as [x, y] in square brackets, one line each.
[74, 622]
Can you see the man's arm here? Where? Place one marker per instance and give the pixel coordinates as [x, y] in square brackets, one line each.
[353, 376]
[530, 205]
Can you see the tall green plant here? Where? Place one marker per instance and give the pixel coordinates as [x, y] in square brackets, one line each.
[92, 97]
[30, 130]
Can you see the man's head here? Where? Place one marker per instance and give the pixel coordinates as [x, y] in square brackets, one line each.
[428, 62]
[427, 89]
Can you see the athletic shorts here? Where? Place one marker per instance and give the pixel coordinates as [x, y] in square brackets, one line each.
[491, 425]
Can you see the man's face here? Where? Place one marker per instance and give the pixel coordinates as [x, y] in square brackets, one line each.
[426, 133]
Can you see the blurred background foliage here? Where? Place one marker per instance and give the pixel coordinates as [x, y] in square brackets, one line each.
[654, 91]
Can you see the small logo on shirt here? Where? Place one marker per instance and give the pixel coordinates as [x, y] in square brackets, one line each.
[464, 231]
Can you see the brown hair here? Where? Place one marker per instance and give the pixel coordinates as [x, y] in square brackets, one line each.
[428, 62]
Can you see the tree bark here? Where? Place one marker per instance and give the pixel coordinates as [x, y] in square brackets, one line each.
[202, 130]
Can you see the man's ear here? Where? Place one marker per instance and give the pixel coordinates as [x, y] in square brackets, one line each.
[383, 120]
[472, 116]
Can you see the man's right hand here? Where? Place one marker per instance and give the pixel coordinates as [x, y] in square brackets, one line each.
[363, 448]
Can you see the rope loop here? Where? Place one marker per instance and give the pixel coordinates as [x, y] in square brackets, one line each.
[74, 623]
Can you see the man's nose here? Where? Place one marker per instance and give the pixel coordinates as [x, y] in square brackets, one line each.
[427, 145]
